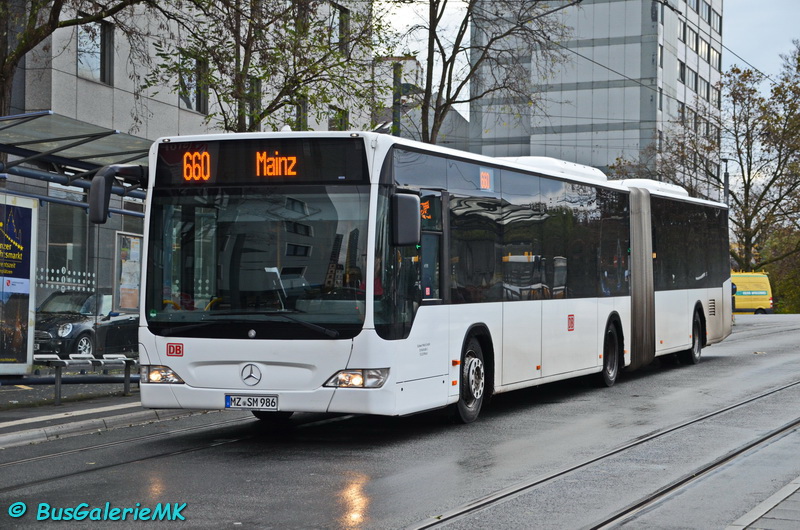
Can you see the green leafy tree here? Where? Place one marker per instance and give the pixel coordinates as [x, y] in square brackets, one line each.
[24, 25]
[273, 62]
[784, 268]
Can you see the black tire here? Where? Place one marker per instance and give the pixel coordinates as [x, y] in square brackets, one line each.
[760, 312]
[692, 355]
[610, 356]
[84, 345]
[273, 418]
[472, 384]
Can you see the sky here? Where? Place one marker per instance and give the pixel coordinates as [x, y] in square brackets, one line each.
[759, 31]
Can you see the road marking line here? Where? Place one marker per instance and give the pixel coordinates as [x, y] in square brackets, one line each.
[70, 414]
[23, 387]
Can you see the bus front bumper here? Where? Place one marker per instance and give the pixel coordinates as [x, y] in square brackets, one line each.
[380, 401]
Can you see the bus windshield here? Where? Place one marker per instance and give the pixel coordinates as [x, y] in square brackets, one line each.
[258, 262]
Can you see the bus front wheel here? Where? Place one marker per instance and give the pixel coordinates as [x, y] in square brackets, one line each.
[472, 384]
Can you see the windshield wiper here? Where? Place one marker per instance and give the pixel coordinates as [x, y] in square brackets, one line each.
[185, 327]
[332, 333]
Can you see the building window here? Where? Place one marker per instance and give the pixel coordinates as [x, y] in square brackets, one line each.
[716, 22]
[702, 48]
[691, 79]
[298, 228]
[338, 119]
[703, 89]
[692, 4]
[194, 87]
[339, 24]
[705, 11]
[691, 38]
[67, 238]
[715, 98]
[296, 205]
[661, 56]
[715, 59]
[681, 31]
[133, 223]
[660, 99]
[681, 71]
[298, 250]
[95, 51]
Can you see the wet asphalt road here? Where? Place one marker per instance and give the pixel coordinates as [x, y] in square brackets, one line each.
[367, 472]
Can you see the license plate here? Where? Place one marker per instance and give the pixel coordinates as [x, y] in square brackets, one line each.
[251, 402]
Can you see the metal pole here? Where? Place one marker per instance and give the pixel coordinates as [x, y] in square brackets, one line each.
[58, 385]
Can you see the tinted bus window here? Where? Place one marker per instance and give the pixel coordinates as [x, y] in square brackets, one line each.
[414, 169]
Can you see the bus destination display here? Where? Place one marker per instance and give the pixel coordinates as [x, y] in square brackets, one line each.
[197, 165]
[340, 160]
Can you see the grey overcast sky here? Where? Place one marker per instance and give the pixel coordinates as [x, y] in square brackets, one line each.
[759, 31]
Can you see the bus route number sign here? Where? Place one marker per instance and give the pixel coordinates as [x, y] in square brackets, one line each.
[196, 165]
[251, 402]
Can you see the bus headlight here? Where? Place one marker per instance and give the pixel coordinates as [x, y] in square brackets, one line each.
[158, 374]
[369, 378]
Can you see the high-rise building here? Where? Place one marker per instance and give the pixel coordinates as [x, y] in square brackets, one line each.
[631, 67]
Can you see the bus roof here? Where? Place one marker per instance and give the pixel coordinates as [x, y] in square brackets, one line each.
[553, 167]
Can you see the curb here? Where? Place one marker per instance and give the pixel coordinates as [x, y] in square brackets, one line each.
[759, 511]
[76, 428]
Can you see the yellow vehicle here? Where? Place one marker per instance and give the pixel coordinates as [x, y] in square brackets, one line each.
[753, 293]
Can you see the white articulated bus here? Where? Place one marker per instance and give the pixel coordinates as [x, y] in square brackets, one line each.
[362, 273]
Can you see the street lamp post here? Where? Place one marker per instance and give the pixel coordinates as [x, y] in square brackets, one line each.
[725, 182]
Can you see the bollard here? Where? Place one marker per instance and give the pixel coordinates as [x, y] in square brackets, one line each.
[58, 385]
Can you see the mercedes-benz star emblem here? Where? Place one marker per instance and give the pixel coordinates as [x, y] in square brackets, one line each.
[251, 375]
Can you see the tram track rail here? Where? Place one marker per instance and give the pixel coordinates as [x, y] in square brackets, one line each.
[506, 494]
[145, 438]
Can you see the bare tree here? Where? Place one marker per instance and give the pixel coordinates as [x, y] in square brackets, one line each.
[751, 150]
[272, 61]
[478, 49]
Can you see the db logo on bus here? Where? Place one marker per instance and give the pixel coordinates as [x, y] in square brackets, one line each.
[570, 323]
[174, 349]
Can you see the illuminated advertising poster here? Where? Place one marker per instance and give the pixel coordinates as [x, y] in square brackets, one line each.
[17, 266]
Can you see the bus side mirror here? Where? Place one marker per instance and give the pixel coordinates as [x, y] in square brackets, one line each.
[103, 181]
[406, 220]
[100, 194]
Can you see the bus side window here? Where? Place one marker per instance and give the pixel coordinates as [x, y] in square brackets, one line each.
[430, 255]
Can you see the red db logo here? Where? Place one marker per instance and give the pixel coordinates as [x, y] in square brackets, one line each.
[174, 349]
[570, 323]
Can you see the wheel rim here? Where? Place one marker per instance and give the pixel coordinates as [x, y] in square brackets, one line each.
[84, 346]
[474, 377]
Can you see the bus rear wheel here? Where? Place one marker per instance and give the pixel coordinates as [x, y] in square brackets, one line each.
[473, 383]
[692, 355]
[610, 355]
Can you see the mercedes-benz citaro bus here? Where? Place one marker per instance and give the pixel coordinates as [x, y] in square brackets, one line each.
[363, 273]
